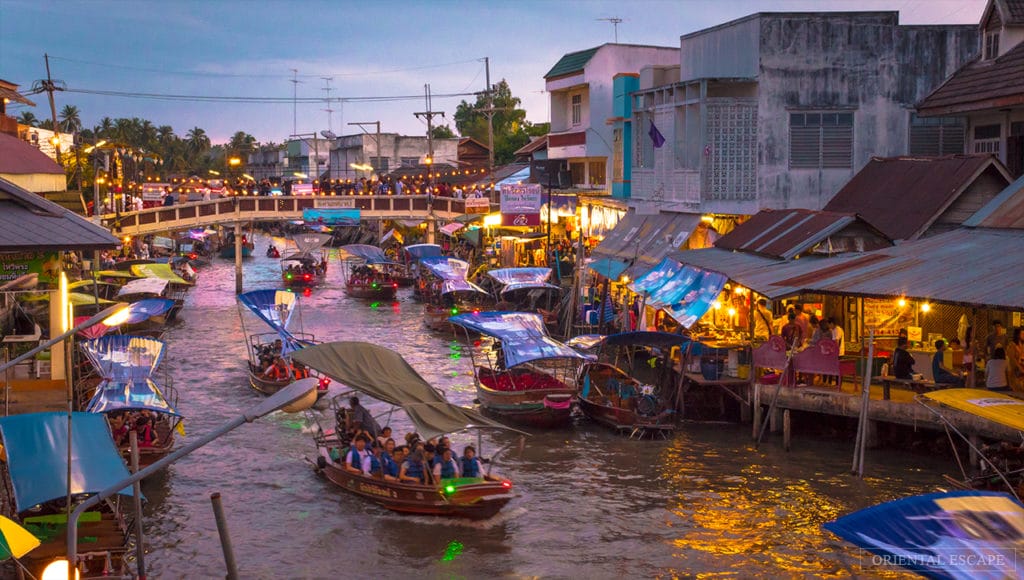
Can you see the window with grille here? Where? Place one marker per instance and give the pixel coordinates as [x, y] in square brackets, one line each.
[410, 161]
[936, 136]
[617, 153]
[986, 138]
[991, 45]
[820, 140]
[596, 172]
[578, 171]
[577, 108]
[380, 164]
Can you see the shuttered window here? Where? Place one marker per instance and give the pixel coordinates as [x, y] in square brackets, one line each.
[934, 136]
[820, 140]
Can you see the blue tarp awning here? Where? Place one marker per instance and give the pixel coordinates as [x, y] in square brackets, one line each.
[274, 307]
[133, 395]
[420, 251]
[124, 358]
[145, 309]
[517, 278]
[684, 292]
[956, 534]
[452, 273]
[522, 334]
[36, 445]
[609, 267]
[367, 253]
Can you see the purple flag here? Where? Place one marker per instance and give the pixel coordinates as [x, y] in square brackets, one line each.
[656, 136]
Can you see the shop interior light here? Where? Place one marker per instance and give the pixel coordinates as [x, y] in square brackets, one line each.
[926, 307]
[716, 305]
[902, 302]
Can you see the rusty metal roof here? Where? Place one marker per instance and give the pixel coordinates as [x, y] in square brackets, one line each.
[17, 157]
[28, 222]
[979, 85]
[903, 196]
[1006, 210]
[975, 267]
[643, 240]
[785, 234]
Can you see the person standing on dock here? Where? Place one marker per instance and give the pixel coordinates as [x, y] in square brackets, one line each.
[997, 339]
[762, 320]
[1014, 367]
[792, 333]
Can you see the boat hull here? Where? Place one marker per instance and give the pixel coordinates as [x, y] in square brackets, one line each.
[301, 282]
[625, 420]
[476, 501]
[228, 251]
[361, 291]
[604, 405]
[268, 387]
[525, 397]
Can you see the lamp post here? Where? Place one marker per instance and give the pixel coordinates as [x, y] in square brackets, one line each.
[282, 398]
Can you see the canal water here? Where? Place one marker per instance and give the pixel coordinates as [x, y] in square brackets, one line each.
[591, 504]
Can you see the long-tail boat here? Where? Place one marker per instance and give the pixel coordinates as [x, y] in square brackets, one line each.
[383, 374]
[448, 292]
[369, 275]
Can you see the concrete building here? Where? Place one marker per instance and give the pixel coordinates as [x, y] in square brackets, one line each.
[307, 155]
[986, 96]
[395, 151]
[581, 85]
[779, 110]
[266, 162]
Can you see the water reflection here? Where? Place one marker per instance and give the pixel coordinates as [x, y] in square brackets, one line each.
[591, 503]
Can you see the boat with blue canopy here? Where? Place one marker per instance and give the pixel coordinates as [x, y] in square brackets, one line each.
[370, 272]
[949, 535]
[527, 377]
[129, 397]
[384, 375]
[631, 387]
[526, 290]
[410, 258]
[447, 292]
[275, 308]
[36, 468]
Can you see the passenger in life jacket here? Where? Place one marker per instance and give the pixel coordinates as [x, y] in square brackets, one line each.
[356, 456]
[299, 371]
[372, 463]
[278, 371]
[446, 467]
[144, 427]
[470, 463]
[389, 465]
[412, 469]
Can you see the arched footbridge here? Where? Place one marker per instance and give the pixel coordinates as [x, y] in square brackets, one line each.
[242, 209]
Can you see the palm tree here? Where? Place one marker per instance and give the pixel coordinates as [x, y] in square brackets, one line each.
[70, 119]
[28, 118]
[105, 127]
[197, 141]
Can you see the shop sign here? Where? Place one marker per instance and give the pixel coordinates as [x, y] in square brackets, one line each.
[17, 264]
[520, 204]
[478, 205]
[334, 203]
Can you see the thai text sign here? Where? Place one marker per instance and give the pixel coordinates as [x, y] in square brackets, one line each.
[17, 264]
[520, 204]
[478, 205]
[333, 202]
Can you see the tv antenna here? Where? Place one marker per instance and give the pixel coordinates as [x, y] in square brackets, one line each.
[330, 111]
[615, 21]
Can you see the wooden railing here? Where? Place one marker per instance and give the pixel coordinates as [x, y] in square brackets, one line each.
[243, 208]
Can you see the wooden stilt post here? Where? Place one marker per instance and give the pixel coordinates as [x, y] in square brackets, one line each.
[757, 410]
[238, 257]
[787, 429]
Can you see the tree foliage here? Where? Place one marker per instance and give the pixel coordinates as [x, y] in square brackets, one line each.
[443, 132]
[511, 129]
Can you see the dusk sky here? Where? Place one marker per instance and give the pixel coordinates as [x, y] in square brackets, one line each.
[371, 49]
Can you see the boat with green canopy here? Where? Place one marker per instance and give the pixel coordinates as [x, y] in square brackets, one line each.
[383, 374]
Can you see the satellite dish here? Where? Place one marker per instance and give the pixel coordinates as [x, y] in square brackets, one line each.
[328, 135]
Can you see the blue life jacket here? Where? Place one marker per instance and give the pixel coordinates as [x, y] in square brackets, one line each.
[390, 467]
[356, 458]
[470, 467]
[447, 469]
[414, 470]
[374, 464]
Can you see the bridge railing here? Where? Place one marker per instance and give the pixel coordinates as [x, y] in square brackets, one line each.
[243, 208]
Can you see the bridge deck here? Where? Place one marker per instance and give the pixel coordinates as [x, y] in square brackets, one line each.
[245, 209]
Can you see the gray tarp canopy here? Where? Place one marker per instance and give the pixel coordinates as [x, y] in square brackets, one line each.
[383, 374]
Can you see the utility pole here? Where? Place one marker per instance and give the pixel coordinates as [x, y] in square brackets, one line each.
[295, 100]
[429, 115]
[377, 123]
[489, 111]
[50, 86]
[327, 88]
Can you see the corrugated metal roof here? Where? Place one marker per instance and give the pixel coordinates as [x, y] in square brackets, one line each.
[977, 267]
[903, 196]
[736, 265]
[28, 222]
[643, 240]
[1014, 13]
[979, 85]
[784, 233]
[18, 158]
[1006, 210]
[572, 63]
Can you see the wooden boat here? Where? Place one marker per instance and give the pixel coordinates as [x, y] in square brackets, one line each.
[616, 399]
[355, 364]
[526, 290]
[39, 487]
[529, 378]
[275, 308]
[149, 289]
[306, 267]
[447, 292]
[369, 276]
[127, 392]
[227, 247]
[419, 277]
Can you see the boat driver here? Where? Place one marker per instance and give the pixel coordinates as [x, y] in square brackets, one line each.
[360, 419]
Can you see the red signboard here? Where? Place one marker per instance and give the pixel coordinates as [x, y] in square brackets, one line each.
[520, 219]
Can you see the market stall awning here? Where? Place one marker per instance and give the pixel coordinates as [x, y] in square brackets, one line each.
[124, 358]
[519, 278]
[450, 229]
[684, 292]
[134, 395]
[420, 251]
[392, 234]
[641, 241]
[36, 445]
[522, 334]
